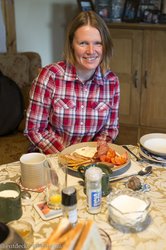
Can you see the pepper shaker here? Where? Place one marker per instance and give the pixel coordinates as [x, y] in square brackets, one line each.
[69, 204]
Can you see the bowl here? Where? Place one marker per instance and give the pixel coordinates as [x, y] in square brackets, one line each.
[129, 210]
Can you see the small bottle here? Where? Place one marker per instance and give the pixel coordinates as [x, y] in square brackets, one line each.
[69, 204]
[93, 177]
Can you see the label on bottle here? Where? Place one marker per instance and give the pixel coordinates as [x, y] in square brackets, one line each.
[94, 200]
[72, 215]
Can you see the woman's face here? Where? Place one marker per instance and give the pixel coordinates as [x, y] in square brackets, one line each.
[88, 49]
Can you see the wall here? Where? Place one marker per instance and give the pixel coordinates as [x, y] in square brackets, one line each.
[41, 26]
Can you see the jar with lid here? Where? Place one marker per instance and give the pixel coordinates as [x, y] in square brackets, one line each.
[69, 204]
[93, 177]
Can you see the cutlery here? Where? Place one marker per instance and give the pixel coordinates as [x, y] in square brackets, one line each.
[136, 157]
[25, 195]
[144, 171]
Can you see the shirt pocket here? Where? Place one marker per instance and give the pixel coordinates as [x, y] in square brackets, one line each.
[101, 106]
[64, 103]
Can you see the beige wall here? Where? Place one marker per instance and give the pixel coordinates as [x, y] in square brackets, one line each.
[41, 25]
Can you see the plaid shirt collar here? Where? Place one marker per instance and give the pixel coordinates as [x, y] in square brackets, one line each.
[71, 75]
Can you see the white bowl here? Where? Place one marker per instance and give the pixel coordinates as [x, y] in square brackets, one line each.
[128, 210]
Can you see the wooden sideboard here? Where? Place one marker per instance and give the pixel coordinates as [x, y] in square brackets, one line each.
[139, 61]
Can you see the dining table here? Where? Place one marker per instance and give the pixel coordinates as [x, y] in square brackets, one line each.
[152, 237]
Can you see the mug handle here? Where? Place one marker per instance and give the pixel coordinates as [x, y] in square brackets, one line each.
[81, 171]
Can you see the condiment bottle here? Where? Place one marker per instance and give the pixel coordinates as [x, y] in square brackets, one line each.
[69, 204]
[93, 177]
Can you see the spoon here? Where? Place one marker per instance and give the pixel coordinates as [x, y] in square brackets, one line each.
[144, 171]
[25, 195]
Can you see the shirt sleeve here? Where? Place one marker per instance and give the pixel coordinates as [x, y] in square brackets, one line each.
[111, 129]
[37, 127]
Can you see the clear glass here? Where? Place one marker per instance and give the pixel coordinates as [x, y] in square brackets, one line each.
[24, 229]
[130, 212]
[56, 181]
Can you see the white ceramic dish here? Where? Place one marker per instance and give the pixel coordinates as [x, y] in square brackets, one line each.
[119, 149]
[154, 143]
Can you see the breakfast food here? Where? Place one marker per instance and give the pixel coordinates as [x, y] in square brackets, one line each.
[75, 160]
[89, 154]
[83, 236]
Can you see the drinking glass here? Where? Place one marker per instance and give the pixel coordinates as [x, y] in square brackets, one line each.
[56, 181]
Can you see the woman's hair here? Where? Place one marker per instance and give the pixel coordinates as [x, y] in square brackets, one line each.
[94, 20]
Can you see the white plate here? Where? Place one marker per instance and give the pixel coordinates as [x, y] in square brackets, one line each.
[154, 143]
[119, 149]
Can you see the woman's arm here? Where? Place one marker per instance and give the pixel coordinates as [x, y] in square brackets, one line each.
[38, 128]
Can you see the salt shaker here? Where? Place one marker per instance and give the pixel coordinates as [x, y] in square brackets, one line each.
[69, 204]
[93, 177]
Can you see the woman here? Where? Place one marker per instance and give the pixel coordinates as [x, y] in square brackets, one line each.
[76, 100]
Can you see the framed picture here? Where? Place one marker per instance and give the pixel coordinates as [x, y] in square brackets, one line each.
[149, 12]
[103, 9]
[85, 5]
[130, 11]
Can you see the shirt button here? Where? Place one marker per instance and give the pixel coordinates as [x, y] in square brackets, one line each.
[81, 123]
[82, 106]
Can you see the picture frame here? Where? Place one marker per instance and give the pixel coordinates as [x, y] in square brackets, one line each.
[130, 11]
[103, 9]
[149, 12]
[85, 5]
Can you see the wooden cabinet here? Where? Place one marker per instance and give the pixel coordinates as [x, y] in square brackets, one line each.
[139, 61]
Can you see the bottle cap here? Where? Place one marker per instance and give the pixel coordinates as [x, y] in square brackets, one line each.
[93, 174]
[69, 197]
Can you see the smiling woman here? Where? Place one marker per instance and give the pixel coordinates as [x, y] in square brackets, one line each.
[77, 99]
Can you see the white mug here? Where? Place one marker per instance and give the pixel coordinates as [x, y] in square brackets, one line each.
[33, 170]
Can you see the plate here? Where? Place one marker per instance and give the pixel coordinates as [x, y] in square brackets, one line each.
[154, 143]
[119, 150]
[149, 156]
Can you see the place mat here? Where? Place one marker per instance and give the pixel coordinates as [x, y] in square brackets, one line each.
[134, 168]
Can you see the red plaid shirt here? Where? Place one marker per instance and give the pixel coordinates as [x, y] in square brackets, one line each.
[63, 111]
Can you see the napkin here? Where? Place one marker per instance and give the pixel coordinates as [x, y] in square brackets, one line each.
[133, 168]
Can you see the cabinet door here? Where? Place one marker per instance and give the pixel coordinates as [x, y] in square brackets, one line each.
[126, 63]
[153, 94]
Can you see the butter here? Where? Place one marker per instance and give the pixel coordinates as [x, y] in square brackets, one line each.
[9, 193]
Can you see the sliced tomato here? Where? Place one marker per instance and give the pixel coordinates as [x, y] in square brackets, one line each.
[111, 153]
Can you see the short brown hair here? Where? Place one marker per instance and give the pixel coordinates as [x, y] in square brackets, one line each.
[93, 19]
